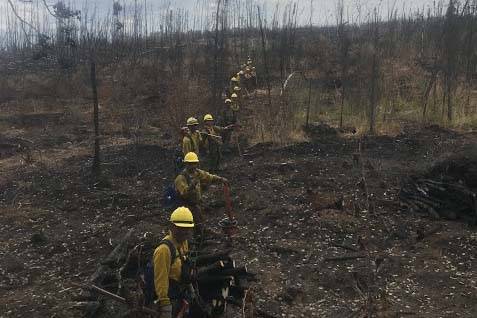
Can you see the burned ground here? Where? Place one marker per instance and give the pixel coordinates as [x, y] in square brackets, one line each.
[319, 246]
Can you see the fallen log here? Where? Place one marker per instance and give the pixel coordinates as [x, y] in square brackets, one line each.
[439, 198]
[119, 253]
[215, 280]
[205, 260]
[115, 297]
[213, 268]
[346, 247]
[344, 257]
[239, 271]
[106, 273]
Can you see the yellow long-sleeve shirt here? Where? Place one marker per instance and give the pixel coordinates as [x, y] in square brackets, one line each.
[164, 271]
[191, 143]
[209, 141]
[194, 195]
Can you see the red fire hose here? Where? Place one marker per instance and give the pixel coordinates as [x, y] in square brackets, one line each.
[228, 202]
[229, 224]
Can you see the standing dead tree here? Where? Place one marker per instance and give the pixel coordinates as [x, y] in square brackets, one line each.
[23, 22]
[219, 50]
[343, 48]
[265, 58]
[96, 168]
[450, 46]
[373, 92]
[470, 55]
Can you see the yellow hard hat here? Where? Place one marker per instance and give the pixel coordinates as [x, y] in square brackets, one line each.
[182, 217]
[192, 121]
[191, 157]
[228, 100]
[237, 89]
[208, 117]
[234, 79]
[234, 95]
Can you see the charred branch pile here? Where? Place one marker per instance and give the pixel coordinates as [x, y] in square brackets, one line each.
[448, 190]
[440, 199]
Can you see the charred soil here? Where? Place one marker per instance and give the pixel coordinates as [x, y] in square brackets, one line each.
[320, 222]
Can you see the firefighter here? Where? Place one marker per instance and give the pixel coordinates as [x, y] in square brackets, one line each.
[233, 83]
[248, 73]
[249, 61]
[239, 77]
[192, 139]
[189, 185]
[235, 106]
[253, 78]
[213, 140]
[171, 273]
[226, 115]
[247, 81]
[237, 90]
[253, 72]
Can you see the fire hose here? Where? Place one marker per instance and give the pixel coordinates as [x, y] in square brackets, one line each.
[228, 224]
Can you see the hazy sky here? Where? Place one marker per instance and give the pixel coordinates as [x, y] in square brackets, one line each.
[323, 11]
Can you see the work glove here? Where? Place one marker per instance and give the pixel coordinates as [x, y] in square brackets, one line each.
[165, 311]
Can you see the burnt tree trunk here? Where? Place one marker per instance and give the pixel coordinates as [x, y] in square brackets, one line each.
[94, 86]
[265, 60]
[425, 99]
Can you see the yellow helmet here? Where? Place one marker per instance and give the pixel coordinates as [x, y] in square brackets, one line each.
[237, 89]
[234, 79]
[208, 117]
[182, 217]
[192, 121]
[191, 157]
[228, 100]
[234, 95]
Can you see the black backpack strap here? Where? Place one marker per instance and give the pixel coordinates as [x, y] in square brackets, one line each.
[172, 249]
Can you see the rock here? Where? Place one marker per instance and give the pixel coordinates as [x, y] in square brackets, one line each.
[38, 239]
[291, 294]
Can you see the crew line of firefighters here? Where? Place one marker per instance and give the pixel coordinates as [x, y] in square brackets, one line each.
[187, 220]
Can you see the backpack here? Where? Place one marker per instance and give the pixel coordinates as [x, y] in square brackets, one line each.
[178, 160]
[172, 198]
[149, 287]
